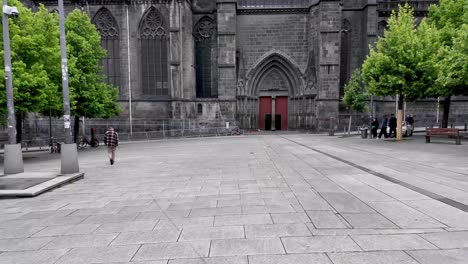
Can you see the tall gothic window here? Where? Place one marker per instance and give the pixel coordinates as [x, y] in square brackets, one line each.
[204, 35]
[345, 58]
[109, 30]
[153, 54]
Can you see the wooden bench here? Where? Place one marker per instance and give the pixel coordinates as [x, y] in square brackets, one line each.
[443, 132]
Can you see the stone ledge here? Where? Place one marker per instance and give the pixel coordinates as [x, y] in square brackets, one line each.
[42, 187]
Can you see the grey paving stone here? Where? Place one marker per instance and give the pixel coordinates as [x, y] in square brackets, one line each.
[346, 203]
[46, 214]
[21, 244]
[130, 203]
[446, 214]
[28, 257]
[325, 219]
[392, 242]
[19, 232]
[276, 230]
[77, 241]
[371, 231]
[192, 249]
[138, 209]
[389, 257]
[242, 219]
[290, 259]
[405, 216]
[368, 194]
[59, 220]
[140, 262]
[234, 210]
[96, 211]
[236, 247]
[448, 240]
[319, 244]
[290, 218]
[151, 216]
[81, 229]
[132, 226]
[99, 255]
[110, 218]
[315, 203]
[216, 260]
[368, 220]
[185, 222]
[451, 256]
[210, 233]
[146, 237]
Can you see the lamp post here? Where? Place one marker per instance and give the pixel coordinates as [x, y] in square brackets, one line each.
[13, 162]
[69, 152]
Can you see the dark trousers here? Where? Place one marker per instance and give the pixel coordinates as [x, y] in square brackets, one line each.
[374, 132]
[383, 131]
[392, 132]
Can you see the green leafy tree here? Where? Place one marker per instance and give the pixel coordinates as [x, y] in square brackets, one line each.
[397, 66]
[355, 96]
[451, 19]
[32, 62]
[90, 95]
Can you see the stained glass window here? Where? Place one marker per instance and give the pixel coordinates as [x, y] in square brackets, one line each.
[109, 30]
[153, 54]
[204, 35]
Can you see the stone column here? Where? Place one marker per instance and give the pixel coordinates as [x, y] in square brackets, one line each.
[329, 64]
[372, 24]
[227, 24]
[175, 48]
[273, 113]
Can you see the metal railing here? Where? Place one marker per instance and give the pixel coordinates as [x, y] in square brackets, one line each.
[43, 143]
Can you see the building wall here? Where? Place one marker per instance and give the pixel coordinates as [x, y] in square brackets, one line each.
[305, 39]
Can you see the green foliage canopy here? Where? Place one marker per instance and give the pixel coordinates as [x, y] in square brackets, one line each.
[354, 95]
[36, 65]
[89, 94]
[35, 60]
[450, 18]
[397, 66]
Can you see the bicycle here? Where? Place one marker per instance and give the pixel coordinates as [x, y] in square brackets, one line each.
[55, 147]
[84, 142]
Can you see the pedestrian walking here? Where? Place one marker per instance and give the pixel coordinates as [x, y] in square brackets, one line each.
[111, 140]
[374, 127]
[383, 127]
[410, 120]
[392, 123]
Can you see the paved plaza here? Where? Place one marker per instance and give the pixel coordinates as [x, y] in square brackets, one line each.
[256, 199]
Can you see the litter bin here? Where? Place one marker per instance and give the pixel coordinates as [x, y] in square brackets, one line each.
[364, 132]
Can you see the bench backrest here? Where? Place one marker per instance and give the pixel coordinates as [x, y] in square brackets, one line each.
[442, 131]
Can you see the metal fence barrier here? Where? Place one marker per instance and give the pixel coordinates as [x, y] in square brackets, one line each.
[44, 143]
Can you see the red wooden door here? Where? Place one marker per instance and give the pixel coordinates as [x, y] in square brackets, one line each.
[282, 109]
[265, 109]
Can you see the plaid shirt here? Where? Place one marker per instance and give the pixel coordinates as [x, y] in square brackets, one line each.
[111, 138]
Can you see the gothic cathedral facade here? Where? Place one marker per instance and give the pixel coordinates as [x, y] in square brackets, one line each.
[263, 64]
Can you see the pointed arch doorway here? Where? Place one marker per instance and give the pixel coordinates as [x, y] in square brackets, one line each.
[274, 81]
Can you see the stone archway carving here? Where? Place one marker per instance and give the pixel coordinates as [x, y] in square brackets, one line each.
[281, 63]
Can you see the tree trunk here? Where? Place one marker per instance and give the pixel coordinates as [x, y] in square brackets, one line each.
[76, 129]
[401, 100]
[445, 117]
[19, 127]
